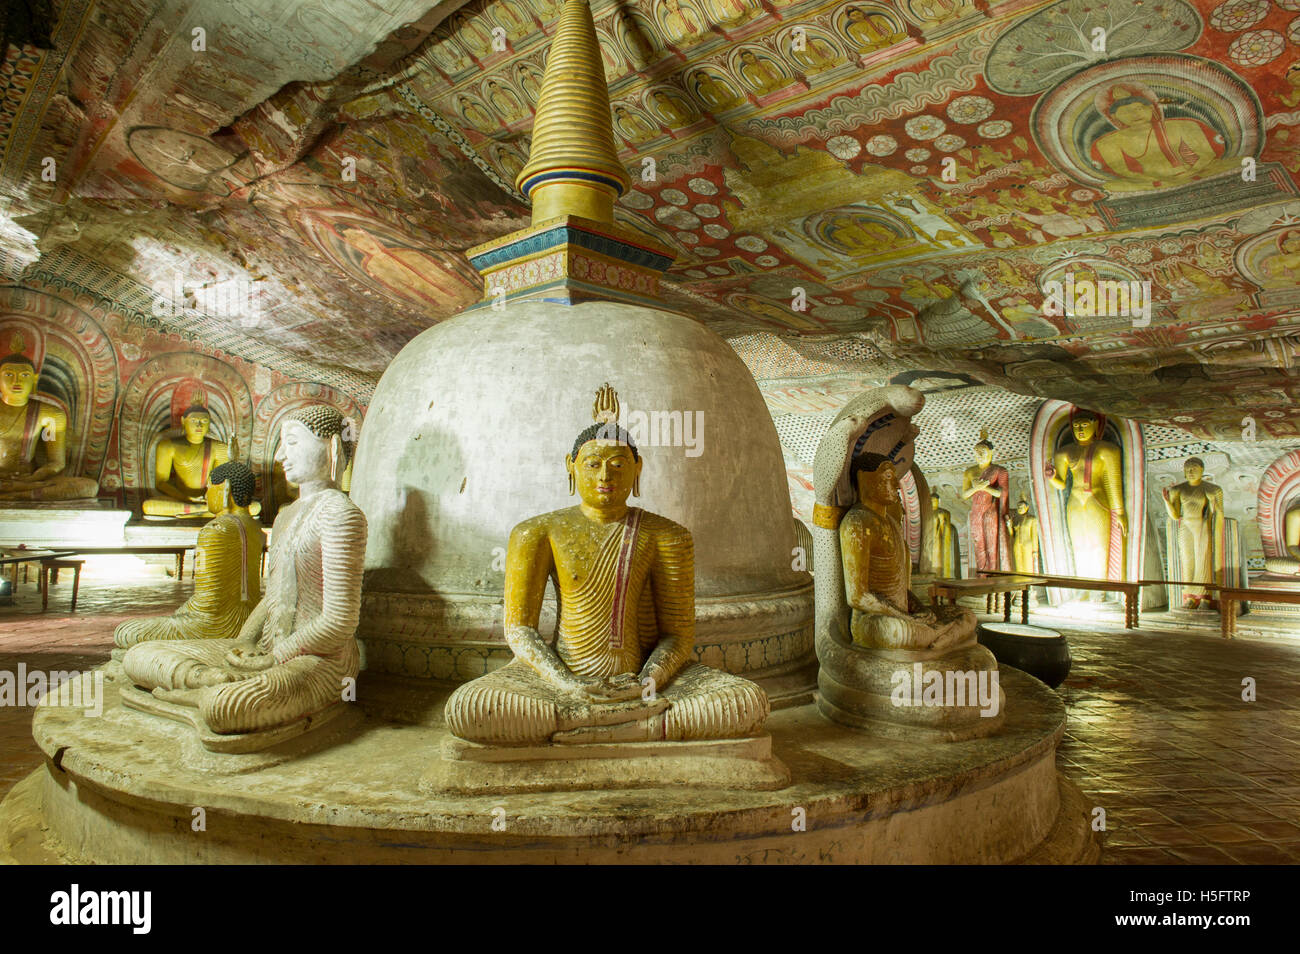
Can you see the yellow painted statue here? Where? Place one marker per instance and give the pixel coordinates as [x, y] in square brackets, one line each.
[1195, 505]
[227, 569]
[1023, 528]
[182, 466]
[1288, 565]
[28, 424]
[944, 559]
[1094, 513]
[621, 669]
[297, 654]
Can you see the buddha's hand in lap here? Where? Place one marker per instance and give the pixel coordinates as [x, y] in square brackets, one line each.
[249, 660]
[623, 687]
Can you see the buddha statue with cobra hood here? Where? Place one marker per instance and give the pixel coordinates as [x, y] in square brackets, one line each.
[296, 657]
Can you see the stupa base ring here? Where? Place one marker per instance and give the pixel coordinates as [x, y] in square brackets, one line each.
[119, 789]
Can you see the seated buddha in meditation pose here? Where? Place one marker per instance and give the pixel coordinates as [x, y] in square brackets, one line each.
[879, 647]
[621, 668]
[296, 654]
[1289, 564]
[182, 466]
[878, 571]
[26, 425]
[1094, 513]
[227, 569]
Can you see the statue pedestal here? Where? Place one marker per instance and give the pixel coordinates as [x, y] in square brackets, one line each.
[467, 768]
[121, 788]
[133, 697]
[62, 524]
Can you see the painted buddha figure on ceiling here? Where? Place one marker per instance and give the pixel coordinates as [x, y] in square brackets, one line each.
[1146, 150]
[227, 568]
[297, 652]
[1195, 505]
[621, 668]
[1094, 511]
[182, 466]
[31, 429]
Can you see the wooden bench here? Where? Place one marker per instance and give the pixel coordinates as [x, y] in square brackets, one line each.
[1132, 590]
[1230, 596]
[952, 590]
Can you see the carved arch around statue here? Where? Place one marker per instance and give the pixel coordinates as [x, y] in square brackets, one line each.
[270, 414]
[148, 415]
[1279, 488]
[915, 491]
[78, 369]
[1050, 431]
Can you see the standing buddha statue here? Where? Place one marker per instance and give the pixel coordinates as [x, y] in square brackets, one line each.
[987, 485]
[945, 562]
[1023, 527]
[1194, 506]
[1094, 511]
[227, 569]
[28, 424]
[621, 667]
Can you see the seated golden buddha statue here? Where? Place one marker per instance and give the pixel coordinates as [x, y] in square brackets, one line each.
[26, 426]
[227, 569]
[888, 661]
[181, 468]
[296, 656]
[620, 669]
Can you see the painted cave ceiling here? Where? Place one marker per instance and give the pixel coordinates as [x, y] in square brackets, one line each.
[848, 186]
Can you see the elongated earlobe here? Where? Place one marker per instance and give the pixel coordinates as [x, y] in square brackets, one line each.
[336, 457]
[636, 486]
[568, 465]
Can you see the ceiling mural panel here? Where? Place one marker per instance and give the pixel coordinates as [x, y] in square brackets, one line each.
[960, 186]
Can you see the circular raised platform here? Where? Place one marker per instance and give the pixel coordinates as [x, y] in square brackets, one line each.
[1043, 653]
[131, 788]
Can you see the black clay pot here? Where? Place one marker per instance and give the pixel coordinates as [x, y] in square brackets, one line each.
[1043, 653]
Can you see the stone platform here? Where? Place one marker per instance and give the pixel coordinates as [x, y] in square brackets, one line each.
[125, 788]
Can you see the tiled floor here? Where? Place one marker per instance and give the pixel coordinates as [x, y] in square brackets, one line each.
[1159, 735]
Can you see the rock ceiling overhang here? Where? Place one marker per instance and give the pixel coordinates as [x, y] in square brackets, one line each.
[912, 179]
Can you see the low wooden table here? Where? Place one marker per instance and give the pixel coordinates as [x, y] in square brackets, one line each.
[987, 586]
[1132, 590]
[50, 568]
[1229, 597]
[16, 557]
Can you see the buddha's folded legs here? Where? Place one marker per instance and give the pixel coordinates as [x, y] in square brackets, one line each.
[167, 507]
[708, 703]
[303, 686]
[56, 488]
[512, 705]
[173, 665]
[134, 631]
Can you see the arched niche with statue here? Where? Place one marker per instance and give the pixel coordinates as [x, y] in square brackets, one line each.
[1278, 513]
[157, 399]
[1081, 465]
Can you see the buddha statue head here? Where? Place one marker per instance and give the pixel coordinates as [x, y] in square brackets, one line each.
[934, 500]
[874, 478]
[196, 422]
[311, 445]
[604, 466]
[1085, 425]
[984, 451]
[1022, 508]
[1194, 470]
[18, 378]
[230, 485]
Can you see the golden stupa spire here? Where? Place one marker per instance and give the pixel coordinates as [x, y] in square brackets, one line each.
[573, 168]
